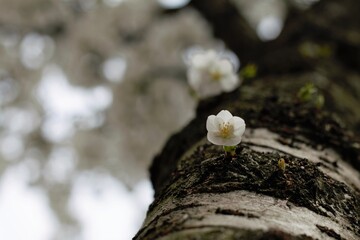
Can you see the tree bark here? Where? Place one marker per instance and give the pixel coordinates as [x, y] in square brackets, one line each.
[202, 194]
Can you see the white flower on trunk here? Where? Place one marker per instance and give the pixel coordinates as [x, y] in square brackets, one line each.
[225, 129]
[211, 72]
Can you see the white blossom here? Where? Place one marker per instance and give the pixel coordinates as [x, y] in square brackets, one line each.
[211, 73]
[225, 129]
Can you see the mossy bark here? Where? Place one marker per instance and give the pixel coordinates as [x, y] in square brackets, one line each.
[202, 194]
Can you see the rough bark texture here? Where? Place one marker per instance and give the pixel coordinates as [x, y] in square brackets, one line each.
[201, 194]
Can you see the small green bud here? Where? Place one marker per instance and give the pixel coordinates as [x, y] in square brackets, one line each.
[282, 164]
[230, 150]
[319, 101]
[311, 95]
[249, 71]
[315, 50]
[306, 92]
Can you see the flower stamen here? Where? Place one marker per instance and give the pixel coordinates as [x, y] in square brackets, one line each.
[216, 75]
[225, 130]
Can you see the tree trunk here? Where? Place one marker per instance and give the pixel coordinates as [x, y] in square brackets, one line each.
[202, 194]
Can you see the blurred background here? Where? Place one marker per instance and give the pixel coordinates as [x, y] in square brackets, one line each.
[90, 90]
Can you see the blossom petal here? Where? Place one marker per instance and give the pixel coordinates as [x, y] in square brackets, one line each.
[237, 122]
[225, 66]
[230, 56]
[219, 121]
[211, 124]
[189, 54]
[211, 55]
[209, 88]
[194, 78]
[203, 59]
[229, 83]
[232, 141]
[239, 125]
[215, 139]
[239, 132]
[225, 115]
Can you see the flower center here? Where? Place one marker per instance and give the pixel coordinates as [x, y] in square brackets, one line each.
[226, 130]
[216, 75]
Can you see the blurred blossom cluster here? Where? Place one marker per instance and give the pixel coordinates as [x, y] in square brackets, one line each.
[89, 93]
